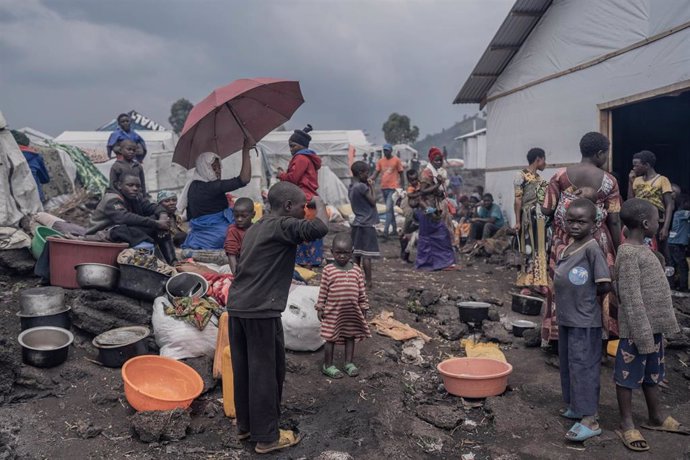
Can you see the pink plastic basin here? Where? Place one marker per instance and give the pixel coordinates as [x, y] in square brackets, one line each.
[474, 377]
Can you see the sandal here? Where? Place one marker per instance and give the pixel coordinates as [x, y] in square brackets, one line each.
[670, 425]
[569, 414]
[580, 432]
[630, 436]
[287, 439]
[351, 369]
[332, 372]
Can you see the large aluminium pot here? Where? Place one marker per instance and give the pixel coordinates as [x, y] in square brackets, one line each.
[116, 346]
[141, 283]
[45, 346]
[527, 305]
[41, 300]
[59, 319]
[97, 276]
[473, 312]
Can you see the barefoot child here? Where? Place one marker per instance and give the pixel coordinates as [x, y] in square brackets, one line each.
[257, 299]
[644, 315]
[342, 307]
[581, 274]
[363, 201]
[243, 213]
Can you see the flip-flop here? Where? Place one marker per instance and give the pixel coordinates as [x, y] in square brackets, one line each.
[332, 372]
[581, 433]
[287, 439]
[630, 436]
[569, 414]
[351, 369]
[670, 425]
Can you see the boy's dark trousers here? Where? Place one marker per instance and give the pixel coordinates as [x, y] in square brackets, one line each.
[680, 264]
[258, 363]
[579, 353]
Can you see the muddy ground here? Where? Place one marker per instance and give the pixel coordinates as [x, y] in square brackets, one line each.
[392, 410]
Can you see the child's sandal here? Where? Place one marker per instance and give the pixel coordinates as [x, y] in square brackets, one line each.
[332, 372]
[351, 369]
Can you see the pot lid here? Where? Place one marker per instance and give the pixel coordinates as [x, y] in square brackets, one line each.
[49, 312]
[121, 336]
[474, 304]
[524, 323]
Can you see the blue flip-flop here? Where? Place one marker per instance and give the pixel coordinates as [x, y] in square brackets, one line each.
[581, 432]
[568, 413]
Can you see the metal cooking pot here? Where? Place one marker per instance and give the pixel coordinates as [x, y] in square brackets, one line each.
[141, 283]
[41, 300]
[473, 312]
[527, 305]
[116, 346]
[59, 319]
[521, 325]
[45, 346]
[97, 276]
[186, 285]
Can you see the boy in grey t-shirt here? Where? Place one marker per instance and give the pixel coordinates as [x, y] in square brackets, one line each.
[581, 274]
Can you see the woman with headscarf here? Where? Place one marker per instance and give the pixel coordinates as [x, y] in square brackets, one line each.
[303, 171]
[435, 243]
[205, 202]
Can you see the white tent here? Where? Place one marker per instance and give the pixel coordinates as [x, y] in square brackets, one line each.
[332, 146]
[94, 142]
[35, 136]
[558, 69]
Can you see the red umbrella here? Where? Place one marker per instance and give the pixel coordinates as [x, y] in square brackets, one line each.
[246, 108]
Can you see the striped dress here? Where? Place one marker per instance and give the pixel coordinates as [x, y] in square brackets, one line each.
[343, 301]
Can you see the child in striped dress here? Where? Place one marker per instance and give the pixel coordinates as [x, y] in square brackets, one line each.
[342, 307]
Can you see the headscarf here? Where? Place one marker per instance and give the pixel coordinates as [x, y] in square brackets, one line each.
[164, 195]
[435, 152]
[203, 172]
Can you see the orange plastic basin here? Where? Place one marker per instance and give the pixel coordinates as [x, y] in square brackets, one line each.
[159, 383]
[474, 377]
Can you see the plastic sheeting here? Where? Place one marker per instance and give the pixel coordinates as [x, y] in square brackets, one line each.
[555, 114]
[331, 189]
[18, 191]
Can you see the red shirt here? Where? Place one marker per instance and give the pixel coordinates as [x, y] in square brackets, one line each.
[233, 240]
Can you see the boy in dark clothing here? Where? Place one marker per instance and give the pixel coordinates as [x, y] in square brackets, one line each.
[127, 165]
[363, 202]
[678, 242]
[243, 213]
[127, 217]
[257, 298]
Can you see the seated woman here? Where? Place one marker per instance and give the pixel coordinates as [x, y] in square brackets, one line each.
[126, 217]
[205, 202]
[168, 200]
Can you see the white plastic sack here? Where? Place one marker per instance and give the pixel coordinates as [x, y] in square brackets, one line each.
[301, 326]
[178, 339]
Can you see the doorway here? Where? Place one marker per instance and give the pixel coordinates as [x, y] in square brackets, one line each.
[660, 123]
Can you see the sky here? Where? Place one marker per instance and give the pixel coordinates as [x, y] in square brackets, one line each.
[74, 65]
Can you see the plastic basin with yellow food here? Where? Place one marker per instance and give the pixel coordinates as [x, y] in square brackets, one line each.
[158, 383]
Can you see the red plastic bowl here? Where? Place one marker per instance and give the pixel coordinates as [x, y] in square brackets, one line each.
[474, 377]
[158, 383]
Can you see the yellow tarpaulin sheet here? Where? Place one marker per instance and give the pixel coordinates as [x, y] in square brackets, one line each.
[384, 324]
[307, 275]
[482, 350]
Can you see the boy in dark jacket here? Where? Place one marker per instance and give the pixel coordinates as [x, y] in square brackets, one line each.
[257, 298]
[127, 217]
[127, 165]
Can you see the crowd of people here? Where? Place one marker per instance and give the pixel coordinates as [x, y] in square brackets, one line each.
[601, 263]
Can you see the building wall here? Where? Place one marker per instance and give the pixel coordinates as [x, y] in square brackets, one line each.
[555, 114]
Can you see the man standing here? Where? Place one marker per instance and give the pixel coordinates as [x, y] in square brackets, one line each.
[488, 221]
[391, 170]
[125, 131]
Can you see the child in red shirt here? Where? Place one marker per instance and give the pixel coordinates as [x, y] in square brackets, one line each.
[244, 213]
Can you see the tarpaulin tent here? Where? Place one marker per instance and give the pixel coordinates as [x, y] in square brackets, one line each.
[18, 190]
[139, 122]
[94, 142]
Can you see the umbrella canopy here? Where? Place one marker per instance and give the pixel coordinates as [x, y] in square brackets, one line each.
[247, 108]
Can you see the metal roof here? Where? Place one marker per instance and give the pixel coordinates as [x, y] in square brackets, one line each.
[472, 134]
[523, 16]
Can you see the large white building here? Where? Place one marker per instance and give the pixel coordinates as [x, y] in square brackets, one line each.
[558, 69]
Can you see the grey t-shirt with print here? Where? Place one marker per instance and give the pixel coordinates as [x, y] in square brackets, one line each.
[574, 283]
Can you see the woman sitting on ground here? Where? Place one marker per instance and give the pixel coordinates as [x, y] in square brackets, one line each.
[125, 216]
[205, 202]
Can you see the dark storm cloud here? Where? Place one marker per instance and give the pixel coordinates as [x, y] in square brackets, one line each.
[73, 65]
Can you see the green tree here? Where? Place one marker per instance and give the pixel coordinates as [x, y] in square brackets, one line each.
[397, 130]
[178, 114]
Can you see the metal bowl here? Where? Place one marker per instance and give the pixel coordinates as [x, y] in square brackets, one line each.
[186, 285]
[41, 300]
[97, 276]
[45, 346]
